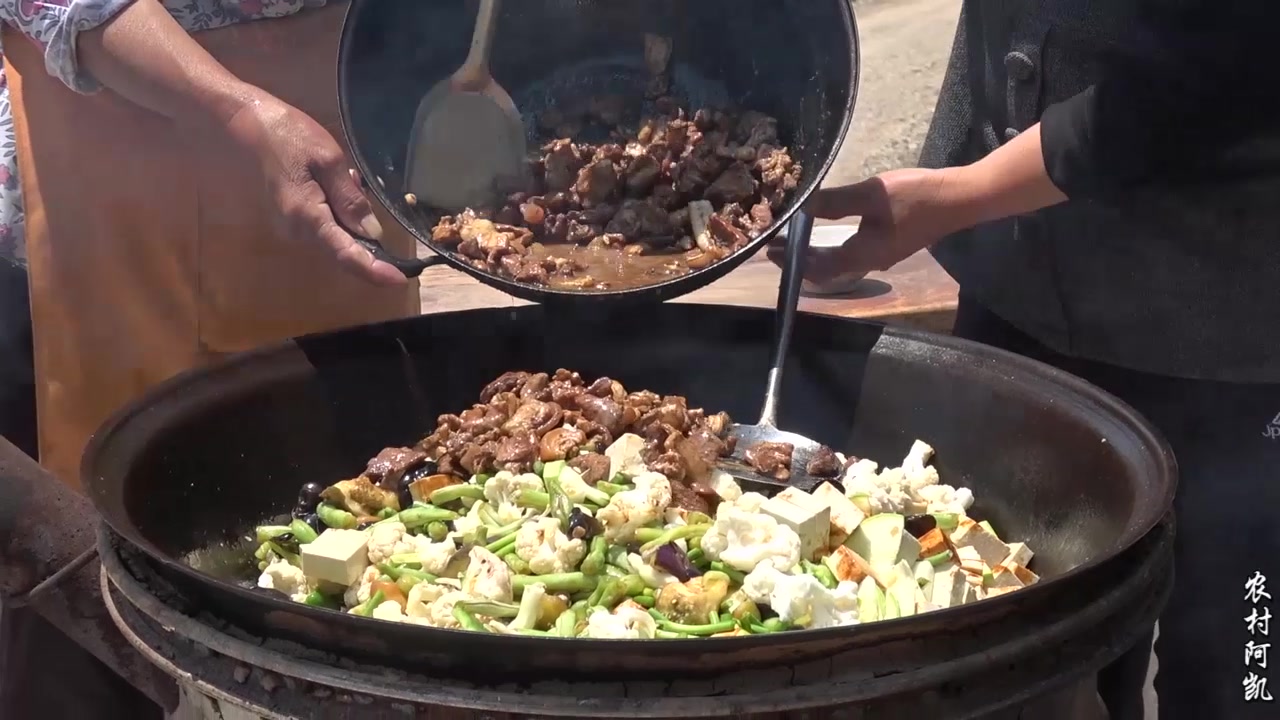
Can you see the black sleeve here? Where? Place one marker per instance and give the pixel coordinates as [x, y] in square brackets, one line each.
[1192, 97]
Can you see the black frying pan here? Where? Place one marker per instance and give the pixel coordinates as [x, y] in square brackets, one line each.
[794, 59]
[1053, 461]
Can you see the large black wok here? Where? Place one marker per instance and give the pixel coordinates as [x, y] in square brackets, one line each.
[794, 59]
[1053, 461]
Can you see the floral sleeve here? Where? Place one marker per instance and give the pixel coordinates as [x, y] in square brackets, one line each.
[55, 25]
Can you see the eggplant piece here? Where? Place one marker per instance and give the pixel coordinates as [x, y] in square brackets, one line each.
[671, 558]
[692, 602]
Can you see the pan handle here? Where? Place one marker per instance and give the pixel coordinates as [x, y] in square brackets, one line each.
[409, 268]
[799, 228]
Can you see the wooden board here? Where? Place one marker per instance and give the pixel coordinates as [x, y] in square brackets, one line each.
[917, 292]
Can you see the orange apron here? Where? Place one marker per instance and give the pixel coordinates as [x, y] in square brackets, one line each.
[152, 251]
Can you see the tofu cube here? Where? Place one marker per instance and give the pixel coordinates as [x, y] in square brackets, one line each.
[989, 547]
[1012, 577]
[337, 556]
[845, 516]
[949, 588]
[1019, 554]
[624, 455]
[924, 599]
[812, 524]
[933, 543]
[846, 564]
[970, 561]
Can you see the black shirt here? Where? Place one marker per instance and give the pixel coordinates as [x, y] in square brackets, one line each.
[1183, 102]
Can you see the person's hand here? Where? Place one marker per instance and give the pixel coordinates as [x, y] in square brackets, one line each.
[310, 183]
[902, 212]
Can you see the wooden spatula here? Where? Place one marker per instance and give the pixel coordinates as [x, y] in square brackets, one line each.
[467, 139]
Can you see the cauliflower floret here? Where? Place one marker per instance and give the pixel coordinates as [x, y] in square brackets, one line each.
[389, 610]
[630, 510]
[801, 599]
[487, 576]
[883, 492]
[469, 523]
[421, 597]
[652, 575]
[627, 622]
[946, 499]
[917, 473]
[725, 486]
[547, 549]
[434, 556]
[440, 612]
[387, 539]
[750, 502]
[503, 489]
[577, 489]
[280, 575]
[362, 588]
[744, 540]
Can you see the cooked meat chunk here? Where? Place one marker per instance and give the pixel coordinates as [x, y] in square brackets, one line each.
[593, 467]
[516, 452]
[632, 193]
[734, 185]
[771, 458]
[535, 417]
[561, 442]
[823, 463]
[388, 466]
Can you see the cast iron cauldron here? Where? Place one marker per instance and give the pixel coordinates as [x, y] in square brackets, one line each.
[796, 60]
[198, 462]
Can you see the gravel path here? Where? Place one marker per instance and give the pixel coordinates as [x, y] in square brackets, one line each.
[905, 46]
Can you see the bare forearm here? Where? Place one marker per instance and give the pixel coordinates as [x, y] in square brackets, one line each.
[145, 56]
[1010, 181]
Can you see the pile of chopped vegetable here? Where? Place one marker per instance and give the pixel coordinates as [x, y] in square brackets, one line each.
[547, 553]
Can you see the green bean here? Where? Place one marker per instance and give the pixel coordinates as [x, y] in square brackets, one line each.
[273, 546]
[615, 571]
[453, 493]
[517, 565]
[558, 583]
[336, 517]
[645, 601]
[266, 533]
[491, 608]
[672, 535]
[396, 572]
[538, 467]
[594, 600]
[467, 620]
[566, 624]
[714, 617]
[552, 470]
[560, 504]
[497, 546]
[386, 513]
[698, 518]
[611, 489]
[619, 478]
[419, 516]
[437, 531]
[736, 577]
[771, 625]
[648, 535]
[618, 589]
[407, 583]
[695, 630]
[535, 499]
[480, 478]
[365, 609]
[406, 559]
[650, 592]
[697, 557]
[617, 556]
[822, 573]
[303, 532]
[315, 598]
[596, 559]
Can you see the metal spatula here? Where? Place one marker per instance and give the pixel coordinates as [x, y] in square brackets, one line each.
[467, 139]
[798, 232]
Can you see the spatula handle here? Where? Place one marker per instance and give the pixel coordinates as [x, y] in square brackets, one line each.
[799, 228]
[475, 71]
